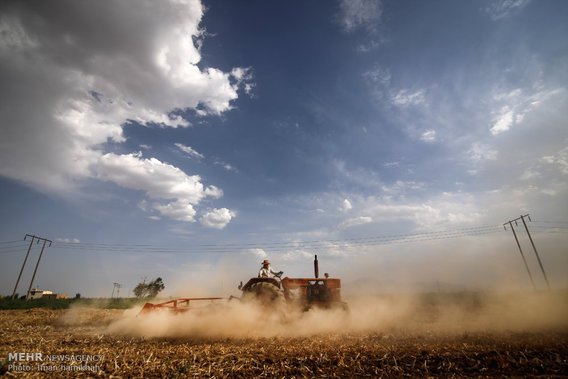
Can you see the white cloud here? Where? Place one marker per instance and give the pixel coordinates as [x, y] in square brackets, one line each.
[356, 221]
[378, 75]
[346, 206]
[72, 85]
[512, 106]
[68, 240]
[479, 155]
[402, 188]
[226, 166]
[189, 150]
[360, 13]
[503, 122]
[559, 160]
[480, 152]
[405, 97]
[260, 253]
[391, 164]
[381, 81]
[529, 174]
[297, 255]
[159, 181]
[499, 9]
[442, 209]
[178, 210]
[428, 136]
[217, 218]
[244, 77]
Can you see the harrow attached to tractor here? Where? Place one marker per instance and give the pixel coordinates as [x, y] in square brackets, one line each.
[177, 305]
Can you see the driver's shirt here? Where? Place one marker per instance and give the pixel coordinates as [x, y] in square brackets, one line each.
[265, 272]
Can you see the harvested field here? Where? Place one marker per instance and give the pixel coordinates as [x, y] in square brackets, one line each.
[441, 336]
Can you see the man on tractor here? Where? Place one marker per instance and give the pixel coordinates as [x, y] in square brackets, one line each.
[266, 270]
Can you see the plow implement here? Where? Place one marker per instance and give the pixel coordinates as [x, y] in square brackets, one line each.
[177, 305]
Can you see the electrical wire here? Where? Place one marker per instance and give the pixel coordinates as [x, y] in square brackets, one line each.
[274, 247]
[283, 246]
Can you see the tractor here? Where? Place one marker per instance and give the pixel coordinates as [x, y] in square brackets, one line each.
[273, 293]
[305, 293]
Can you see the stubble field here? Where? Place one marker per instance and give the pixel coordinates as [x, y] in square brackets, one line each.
[452, 335]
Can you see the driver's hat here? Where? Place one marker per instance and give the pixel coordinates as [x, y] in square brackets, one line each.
[265, 262]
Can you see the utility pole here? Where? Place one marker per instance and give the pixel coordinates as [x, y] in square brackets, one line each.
[37, 264]
[534, 248]
[23, 265]
[520, 250]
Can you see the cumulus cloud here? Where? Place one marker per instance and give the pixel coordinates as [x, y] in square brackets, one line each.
[74, 73]
[217, 218]
[178, 210]
[159, 180]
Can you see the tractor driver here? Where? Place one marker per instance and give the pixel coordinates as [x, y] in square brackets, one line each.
[266, 270]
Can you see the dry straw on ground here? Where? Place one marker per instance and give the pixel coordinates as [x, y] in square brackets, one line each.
[434, 337]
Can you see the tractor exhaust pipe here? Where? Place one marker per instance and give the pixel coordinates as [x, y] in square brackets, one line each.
[316, 267]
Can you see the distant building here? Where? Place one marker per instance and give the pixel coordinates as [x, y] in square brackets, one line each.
[55, 296]
[44, 294]
[38, 294]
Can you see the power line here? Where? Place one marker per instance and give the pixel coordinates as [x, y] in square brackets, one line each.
[6, 242]
[273, 247]
[281, 246]
[267, 244]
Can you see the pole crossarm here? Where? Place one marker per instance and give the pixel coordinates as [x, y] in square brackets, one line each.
[515, 221]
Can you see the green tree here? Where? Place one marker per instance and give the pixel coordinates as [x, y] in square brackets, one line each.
[148, 290]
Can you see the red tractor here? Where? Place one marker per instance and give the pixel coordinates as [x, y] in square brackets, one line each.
[303, 292]
[275, 293]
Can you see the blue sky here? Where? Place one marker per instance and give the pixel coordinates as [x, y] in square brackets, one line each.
[137, 135]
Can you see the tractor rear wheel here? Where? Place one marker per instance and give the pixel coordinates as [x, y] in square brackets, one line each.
[268, 295]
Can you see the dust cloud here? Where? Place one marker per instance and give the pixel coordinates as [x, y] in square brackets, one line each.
[394, 314]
